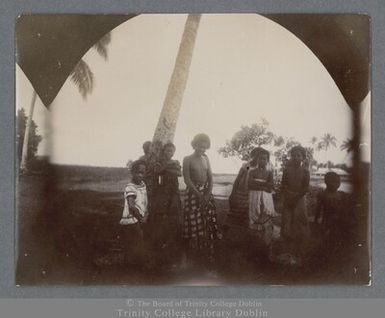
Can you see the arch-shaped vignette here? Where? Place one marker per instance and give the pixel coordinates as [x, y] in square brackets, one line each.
[339, 41]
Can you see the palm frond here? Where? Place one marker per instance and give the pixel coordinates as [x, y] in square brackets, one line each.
[102, 45]
[83, 78]
[347, 145]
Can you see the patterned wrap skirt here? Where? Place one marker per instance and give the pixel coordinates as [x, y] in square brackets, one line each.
[239, 207]
[200, 228]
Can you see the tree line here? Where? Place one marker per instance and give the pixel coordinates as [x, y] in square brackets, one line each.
[259, 134]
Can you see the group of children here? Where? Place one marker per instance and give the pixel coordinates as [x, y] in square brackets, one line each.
[254, 184]
[155, 228]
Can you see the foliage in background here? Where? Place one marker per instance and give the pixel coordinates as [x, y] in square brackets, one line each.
[259, 135]
[327, 141]
[246, 139]
[281, 154]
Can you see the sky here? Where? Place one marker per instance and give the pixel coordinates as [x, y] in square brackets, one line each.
[244, 68]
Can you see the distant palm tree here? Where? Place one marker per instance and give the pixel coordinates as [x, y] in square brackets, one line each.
[327, 141]
[83, 78]
[347, 145]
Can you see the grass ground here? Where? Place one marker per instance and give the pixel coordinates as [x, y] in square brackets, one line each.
[65, 225]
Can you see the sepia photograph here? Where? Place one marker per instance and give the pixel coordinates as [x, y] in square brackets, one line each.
[193, 149]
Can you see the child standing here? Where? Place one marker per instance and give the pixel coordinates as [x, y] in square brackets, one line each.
[239, 197]
[200, 217]
[260, 188]
[331, 205]
[295, 184]
[135, 214]
[261, 205]
[165, 220]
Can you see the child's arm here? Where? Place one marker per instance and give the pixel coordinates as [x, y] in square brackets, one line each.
[210, 181]
[187, 179]
[254, 184]
[133, 209]
[173, 168]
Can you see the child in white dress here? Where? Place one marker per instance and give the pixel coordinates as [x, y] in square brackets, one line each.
[134, 215]
[260, 181]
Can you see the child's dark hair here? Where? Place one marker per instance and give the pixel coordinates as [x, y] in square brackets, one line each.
[332, 177]
[168, 145]
[136, 164]
[263, 151]
[299, 149]
[201, 138]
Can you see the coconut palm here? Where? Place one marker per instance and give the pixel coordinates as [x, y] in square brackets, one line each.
[327, 141]
[102, 45]
[82, 77]
[165, 129]
[168, 118]
[348, 146]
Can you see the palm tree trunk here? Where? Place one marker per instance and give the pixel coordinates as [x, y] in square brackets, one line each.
[168, 118]
[24, 153]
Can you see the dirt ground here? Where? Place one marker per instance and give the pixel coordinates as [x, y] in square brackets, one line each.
[68, 235]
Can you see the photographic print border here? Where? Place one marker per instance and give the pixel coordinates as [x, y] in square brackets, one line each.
[11, 9]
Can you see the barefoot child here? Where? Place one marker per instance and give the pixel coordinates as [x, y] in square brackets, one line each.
[134, 215]
[200, 216]
[295, 184]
